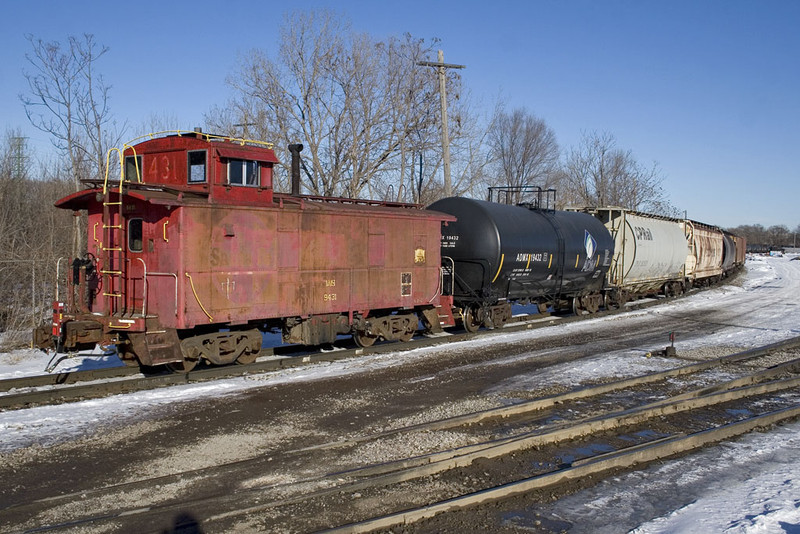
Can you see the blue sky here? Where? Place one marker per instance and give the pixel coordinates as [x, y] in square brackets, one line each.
[710, 90]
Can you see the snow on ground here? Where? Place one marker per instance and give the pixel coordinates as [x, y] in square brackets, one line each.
[753, 488]
[31, 362]
[750, 486]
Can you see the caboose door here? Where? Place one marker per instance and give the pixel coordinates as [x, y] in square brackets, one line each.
[135, 264]
[151, 266]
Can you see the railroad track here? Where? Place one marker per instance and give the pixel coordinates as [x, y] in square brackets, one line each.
[55, 388]
[494, 455]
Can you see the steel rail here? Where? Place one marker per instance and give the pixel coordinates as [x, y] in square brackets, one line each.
[620, 459]
[388, 467]
[624, 458]
[536, 405]
[458, 458]
[388, 474]
[431, 464]
[65, 387]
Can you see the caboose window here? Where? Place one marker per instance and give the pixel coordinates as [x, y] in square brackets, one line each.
[197, 166]
[243, 172]
[135, 235]
[133, 168]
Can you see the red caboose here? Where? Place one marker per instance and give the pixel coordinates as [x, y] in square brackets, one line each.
[192, 255]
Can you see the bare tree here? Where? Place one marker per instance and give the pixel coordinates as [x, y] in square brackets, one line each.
[598, 173]
[31, 239]
[755, 234]
[779, 235]
[156, 122]
[69, 100]
[524, 151]
[361, 107]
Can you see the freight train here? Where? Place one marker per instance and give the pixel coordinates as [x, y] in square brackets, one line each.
[192, 255]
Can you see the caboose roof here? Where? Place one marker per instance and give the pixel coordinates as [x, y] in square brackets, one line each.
[226, 146]
[162, 184]
[176, 197]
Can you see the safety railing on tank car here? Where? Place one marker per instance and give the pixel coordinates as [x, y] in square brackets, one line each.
[541, 199]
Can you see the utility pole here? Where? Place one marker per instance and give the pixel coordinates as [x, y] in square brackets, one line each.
[441, 66]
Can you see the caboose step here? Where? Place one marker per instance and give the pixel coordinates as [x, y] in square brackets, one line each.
[157, 347]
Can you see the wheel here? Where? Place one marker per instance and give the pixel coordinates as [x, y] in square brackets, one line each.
[182, 367]
[408, 334]
[364, 340]
[191, 357]
[471, 321]
[247, 357]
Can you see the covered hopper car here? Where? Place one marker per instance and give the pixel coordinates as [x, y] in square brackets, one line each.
[649, 254]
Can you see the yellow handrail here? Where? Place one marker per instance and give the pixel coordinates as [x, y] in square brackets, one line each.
[191, 283]
[108, 166]
[125, 147]
[129, 144]
[208, 137]
[499, 268]
[121, 154]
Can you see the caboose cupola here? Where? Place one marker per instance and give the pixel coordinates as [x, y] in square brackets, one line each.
[223, 169]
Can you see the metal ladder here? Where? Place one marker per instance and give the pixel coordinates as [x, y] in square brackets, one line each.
[113, 266]
[114, 261]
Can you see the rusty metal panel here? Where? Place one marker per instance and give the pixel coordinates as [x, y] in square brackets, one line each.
[161, 263]
[239, 264]
[197, 260]
[376, 245]
[289, 302]
[326, 241]
[706, 252]
[741, 249]
[322, 292]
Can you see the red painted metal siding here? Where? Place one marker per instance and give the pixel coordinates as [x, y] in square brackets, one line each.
[263, 263]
